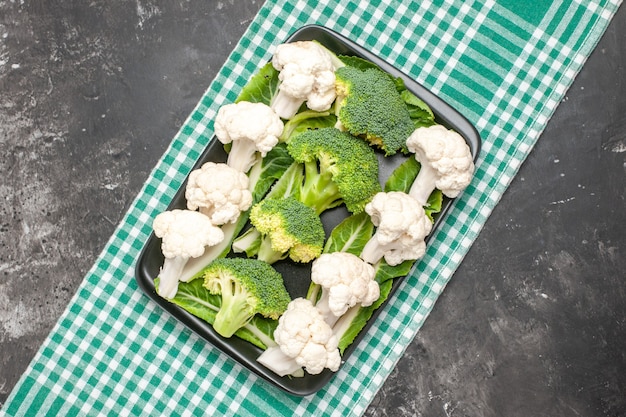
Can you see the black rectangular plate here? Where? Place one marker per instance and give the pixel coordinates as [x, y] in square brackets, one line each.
[297, 276]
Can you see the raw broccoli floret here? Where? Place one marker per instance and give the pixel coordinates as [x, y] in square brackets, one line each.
[370, 106]
[246, 287]
[280, 228]
[336, 168]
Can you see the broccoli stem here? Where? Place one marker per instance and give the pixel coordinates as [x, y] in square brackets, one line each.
[289, 184]
[295, 121]
[253, 243]
[313, 188]
[267, 254]
[319, 191]
[248, 242]
[235, 311]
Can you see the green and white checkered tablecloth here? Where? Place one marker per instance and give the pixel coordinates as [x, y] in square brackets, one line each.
[504, 64]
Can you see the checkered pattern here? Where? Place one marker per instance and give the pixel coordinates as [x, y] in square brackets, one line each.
[503, 64]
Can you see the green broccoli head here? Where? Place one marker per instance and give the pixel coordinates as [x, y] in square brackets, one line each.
[247, 287]
[370, 106]
[338, 168]
[288, 227]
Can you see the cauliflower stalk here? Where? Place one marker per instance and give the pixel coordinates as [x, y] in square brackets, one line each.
[219, 192]
[252, 128]
[304, 340]
[185, 234]
[345, 281]
[402, 226]
[445, 162]
[307, 74]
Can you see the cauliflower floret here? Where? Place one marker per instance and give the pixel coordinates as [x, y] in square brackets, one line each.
[304, 340]
[219, 191]
[307, 73]
[345, 281]
[402, 226]
[185, 235]
[445, 162]
[251, 127]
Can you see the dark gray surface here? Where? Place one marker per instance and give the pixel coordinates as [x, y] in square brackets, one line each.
[533, 322]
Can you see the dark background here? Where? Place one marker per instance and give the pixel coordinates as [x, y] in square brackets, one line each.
[532, 324]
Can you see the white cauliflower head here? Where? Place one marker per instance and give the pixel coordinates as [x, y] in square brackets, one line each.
[401, 227]
[251, 127]
[445, 159]
[307, 73]
[219, 192]
[346, 281]
[302, 334]
[185, 234]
